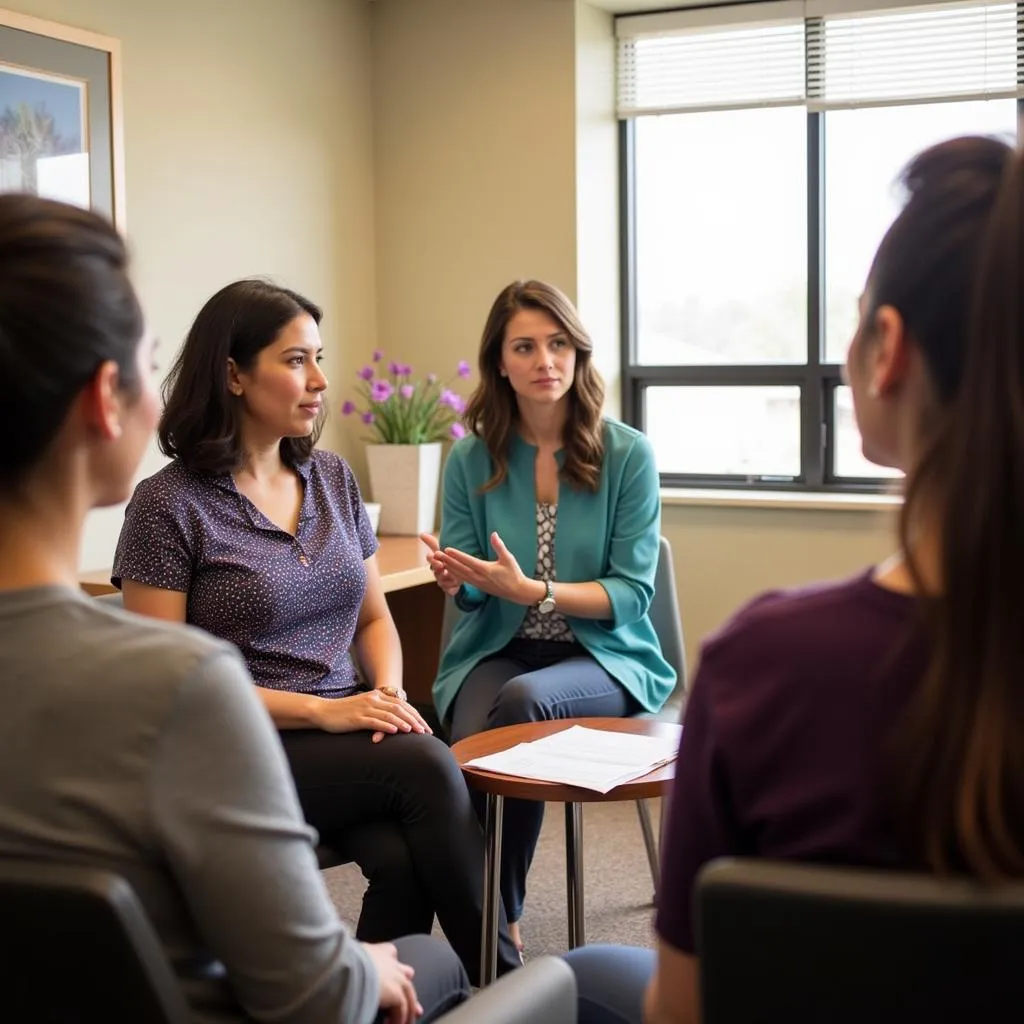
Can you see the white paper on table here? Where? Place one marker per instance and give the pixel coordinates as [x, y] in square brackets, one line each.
[589, 758]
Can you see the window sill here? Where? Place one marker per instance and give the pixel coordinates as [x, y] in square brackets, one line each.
[811, 501]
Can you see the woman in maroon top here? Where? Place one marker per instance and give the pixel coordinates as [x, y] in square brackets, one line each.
[254, 536]
[879, 721]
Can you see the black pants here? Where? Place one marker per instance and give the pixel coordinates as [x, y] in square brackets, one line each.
[401, 811]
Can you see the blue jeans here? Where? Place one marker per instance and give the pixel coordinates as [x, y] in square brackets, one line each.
[610, 981]
[531, 681]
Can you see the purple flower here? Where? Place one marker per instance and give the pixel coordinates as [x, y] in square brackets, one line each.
[367, 417]
[464, 368]
[381, 390]
[348, 408]
[366, 373]
[395, 368]
[407, 391]
[449, 398]
[457, 430]
[378, 355]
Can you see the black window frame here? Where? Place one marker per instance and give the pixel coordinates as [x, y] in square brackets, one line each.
[816, 379]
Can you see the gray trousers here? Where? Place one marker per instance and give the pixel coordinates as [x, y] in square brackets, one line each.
[440, 980]
[531, 681]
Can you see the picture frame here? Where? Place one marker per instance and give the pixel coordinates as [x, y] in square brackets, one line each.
[61, 117]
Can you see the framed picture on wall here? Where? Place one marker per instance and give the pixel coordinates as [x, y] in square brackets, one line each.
[60, 114]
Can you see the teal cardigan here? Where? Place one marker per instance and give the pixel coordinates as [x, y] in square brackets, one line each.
[610, 536]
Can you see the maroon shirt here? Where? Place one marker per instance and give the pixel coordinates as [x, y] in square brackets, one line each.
[786, 749]
[288, 602]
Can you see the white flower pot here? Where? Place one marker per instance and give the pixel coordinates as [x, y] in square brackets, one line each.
[373, 514]
[404, 479]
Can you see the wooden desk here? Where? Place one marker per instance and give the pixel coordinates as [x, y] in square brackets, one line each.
[417, 606]
[96, 582]
[416, 603]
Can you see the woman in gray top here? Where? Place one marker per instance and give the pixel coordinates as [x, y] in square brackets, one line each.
[135, 745]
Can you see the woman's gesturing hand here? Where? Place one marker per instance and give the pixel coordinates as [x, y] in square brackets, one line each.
[500, 578]
[373, 710]
[444, 578]
[397, 994]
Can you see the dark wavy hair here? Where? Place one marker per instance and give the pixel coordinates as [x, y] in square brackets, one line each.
[66, 307]
[492, 412]
[200, 422]
[950, 264]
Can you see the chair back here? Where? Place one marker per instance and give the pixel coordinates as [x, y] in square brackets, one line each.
[803, 944]
[76, 945]
[448, 619]
[668, 624]
[542, 992]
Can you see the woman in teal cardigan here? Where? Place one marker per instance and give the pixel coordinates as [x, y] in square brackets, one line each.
[549, 544]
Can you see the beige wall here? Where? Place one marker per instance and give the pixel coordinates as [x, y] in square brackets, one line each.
[474, 160]
[725, 556]
[495, 157]
[248, 151]
[597, 193]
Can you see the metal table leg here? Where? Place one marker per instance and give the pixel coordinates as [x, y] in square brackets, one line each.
[649, 844]
[492, 888]
[574, 873]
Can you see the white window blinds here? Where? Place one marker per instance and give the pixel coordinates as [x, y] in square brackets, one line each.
[945, 52]
[822, 53]
[718, 59]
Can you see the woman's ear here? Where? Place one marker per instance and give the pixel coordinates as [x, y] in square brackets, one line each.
[234, 382]
[102, 402]
[889, 356]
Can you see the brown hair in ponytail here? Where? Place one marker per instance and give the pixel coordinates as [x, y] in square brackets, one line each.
[951, 265]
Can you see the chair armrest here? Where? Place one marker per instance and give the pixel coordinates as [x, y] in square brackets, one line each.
[542, 992]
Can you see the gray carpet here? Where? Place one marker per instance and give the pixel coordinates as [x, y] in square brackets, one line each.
[617, 881]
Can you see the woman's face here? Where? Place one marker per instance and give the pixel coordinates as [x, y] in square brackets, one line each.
[537, 357]
[281, 393]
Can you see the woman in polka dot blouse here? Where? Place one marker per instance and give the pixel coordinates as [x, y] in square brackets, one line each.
[258, 538]
[549, 543]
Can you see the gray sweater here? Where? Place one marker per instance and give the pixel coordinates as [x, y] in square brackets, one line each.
[142, 747]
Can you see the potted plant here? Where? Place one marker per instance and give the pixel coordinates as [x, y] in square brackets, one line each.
[409, 420]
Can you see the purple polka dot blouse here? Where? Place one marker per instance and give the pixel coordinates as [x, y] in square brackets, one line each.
[288, 603]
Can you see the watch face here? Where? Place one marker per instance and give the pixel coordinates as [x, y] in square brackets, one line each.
[546, 606]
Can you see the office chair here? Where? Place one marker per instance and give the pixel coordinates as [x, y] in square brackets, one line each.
[807, 944]
[76, 946]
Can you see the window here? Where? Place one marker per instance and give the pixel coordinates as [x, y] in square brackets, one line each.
[760, 161]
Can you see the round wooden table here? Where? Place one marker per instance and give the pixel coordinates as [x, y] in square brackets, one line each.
[497, 787]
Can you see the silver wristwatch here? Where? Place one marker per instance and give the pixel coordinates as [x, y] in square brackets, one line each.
[546, 604]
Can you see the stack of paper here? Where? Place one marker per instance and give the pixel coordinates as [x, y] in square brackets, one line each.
[591, 758]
